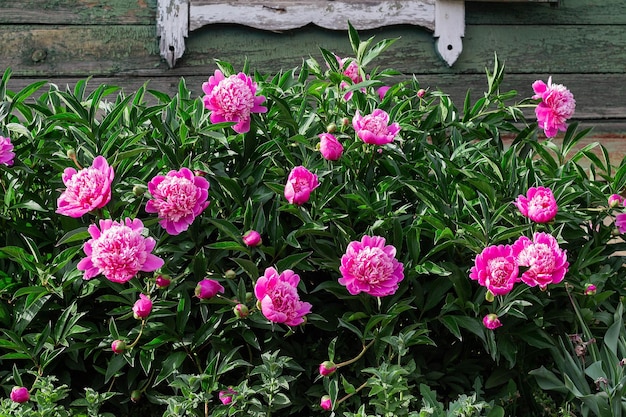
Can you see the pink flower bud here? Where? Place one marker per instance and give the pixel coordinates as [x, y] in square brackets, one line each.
[226, 396]
[252, 238]
[491, 321]
[615, 200]
[142, 307]
[590, 289]
[208, 288]
[241, 311]
[118, 346]
[327, 368]
[330, 148]
[382, 91]
[325, 403]
[421, 93]
[20, 394]
[163, 281]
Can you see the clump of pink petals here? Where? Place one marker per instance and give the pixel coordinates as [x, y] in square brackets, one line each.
[371, 266]
[87, 189]
[545, 262]
[178, 198]
[6, 151]
[232, 99]
[374, 128]
[556, 107]
[279, 298]
[119, 251]
[539, 204]
[495, 268]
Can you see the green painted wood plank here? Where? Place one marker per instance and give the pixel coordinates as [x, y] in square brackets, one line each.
[528, 49]
[568, 12]
[75, 12]
[78, 50]
[124, 50]
[606, 109]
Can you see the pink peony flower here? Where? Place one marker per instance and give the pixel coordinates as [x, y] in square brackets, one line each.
[382, 91]
[178, 198]
[539, 204]
[351, 70]
[208, 288]
[496, 269]
[87, 189]
[545, 261]
[370, 266]
[279, 299]
[620, 222]
[299, 185]
[20, 394]
[615, 200]
[374, 128]
[118, 251]
[327, 368]
[325, 403]
[118, 346]
[6, 151]
[556, 106]
[252, 238]
[330, 148]
[232, 99]
[491, 321]
[226, 396]
[142, 307]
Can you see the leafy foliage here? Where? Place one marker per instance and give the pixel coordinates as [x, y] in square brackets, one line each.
[440, 193]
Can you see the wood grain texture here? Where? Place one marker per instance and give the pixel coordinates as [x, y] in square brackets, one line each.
[78, 12]
[567, 12]
[591, 107]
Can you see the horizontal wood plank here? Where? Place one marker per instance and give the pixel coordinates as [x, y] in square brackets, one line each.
[78, 12]
[608, 110]
[133, 50]
[566, 12]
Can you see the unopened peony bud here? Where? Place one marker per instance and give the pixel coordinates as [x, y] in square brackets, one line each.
[489, 296]
[208, 288]
[325, 403]
[20, 394]
[590, 289]
[327, 368]
[331, 128]
[241, 311]
[230, 274]
[249, 296]
[615, 200]
[71, 153]
[199, 173]
[252, 238]
[345, 122]
[226, 396]
[139, 190]
[118, 346]
[250, 180]
[142, 307]
[491, 321]
[135, 396]
[163, 281]
[421, 93]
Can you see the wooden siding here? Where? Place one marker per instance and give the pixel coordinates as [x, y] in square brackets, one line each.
[581, 43]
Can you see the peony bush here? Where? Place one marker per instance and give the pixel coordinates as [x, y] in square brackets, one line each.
[334, 239]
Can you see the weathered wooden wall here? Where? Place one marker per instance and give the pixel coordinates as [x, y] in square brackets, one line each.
[581, 43]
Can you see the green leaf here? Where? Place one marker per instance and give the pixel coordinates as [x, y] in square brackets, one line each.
[170, 365]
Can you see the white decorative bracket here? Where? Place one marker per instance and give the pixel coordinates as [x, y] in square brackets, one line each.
[176, 18]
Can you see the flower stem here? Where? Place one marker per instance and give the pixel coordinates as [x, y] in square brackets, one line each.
[357, 357]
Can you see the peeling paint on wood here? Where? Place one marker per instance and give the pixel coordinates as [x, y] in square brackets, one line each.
[73, 12]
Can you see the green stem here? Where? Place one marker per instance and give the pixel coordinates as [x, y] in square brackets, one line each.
[357, 357]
